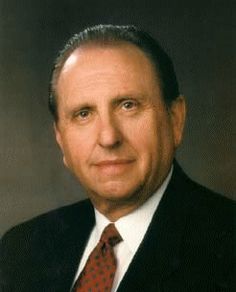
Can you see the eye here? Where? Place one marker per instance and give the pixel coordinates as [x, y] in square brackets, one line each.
[129, 104]
[82, 114]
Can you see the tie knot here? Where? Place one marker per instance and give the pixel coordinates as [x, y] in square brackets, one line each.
[110, 235]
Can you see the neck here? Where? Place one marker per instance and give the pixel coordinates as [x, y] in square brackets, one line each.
[115, 208]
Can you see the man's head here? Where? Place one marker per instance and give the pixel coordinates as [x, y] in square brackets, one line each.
[117, 132]
[105, 35]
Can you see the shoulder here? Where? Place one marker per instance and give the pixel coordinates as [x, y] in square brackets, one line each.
[210, 235]
[43, 227]
[212, 215]
[217, 210]
[204, 202]
[42, 246]
[206, 227]
[208, 217]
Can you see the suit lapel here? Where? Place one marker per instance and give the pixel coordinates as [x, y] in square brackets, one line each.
[71, 239]
[158, 255]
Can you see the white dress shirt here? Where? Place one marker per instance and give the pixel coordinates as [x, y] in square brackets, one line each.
[132, 229]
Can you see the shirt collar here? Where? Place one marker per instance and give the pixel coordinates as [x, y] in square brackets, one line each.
[134, 225]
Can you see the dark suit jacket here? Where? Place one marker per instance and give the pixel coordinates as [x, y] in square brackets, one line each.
[188, 246]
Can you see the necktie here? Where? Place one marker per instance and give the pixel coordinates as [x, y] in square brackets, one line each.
[99, 271]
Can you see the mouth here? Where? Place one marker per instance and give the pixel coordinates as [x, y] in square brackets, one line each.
[113, 167]
[114, 162]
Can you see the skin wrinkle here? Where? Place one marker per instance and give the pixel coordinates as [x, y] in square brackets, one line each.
[145, 134]
[71, 60]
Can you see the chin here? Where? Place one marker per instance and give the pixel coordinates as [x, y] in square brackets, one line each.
[118, 193]
[115, 194]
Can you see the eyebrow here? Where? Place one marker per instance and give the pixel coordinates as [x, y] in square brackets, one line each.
[71, 111]
[114, 101]
[120, 98]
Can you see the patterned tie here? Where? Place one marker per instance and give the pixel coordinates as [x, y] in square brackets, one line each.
[99, 271]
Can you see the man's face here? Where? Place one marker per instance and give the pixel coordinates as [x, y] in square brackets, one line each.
[114, 129]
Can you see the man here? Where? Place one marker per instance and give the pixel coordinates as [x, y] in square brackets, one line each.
[119, 119]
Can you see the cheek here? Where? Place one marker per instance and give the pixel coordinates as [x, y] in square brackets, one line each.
[152, 137]
[77, 147]
[143, 136]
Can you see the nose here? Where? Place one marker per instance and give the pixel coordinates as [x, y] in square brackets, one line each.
[109, 134]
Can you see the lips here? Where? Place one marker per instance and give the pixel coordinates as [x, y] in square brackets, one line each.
[113, 162]
[114, 166]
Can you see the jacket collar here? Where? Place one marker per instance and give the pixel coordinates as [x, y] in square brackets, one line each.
[73, 239]
[159, 254]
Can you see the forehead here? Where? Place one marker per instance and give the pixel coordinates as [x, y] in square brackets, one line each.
[117, 54]
[117, 65]
[91, 48]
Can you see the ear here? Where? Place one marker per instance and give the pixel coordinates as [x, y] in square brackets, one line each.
[58, 137]
[178, 113]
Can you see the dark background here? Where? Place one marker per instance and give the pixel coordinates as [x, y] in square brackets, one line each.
[198, 36]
